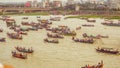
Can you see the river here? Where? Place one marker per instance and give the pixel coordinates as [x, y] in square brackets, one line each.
[66, 54]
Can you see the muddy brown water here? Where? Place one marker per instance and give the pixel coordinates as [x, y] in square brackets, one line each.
[66, 54]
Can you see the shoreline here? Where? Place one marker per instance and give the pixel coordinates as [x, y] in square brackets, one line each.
[67, 15]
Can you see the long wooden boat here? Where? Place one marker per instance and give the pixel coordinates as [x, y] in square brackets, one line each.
[99, 65]
[55, 19]
[2, 39]
[111, 24]
[51, 41]
[24, 50]
[14, 35]
[88, 25]
[89, 40]
[108, 50]
[54, 36]
[19, 55]
[88, 20]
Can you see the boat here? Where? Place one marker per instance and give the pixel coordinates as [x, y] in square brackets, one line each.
[1, 30]
[103, 36]
[99, 65]
[91, 20]
[55, 19]
[111, 24]
[14, 35]
[51, 41]
[88, 40]
[2, 39]
[108, 50]
[19, 55]
[22, 32]
[88, 25]
[54, 36]
[26, 23]
[78, 28]
[91, 36]
[38, 16]
[95, 37]
[24, 50]
[68, 33]
[24, 17]
[33, 28]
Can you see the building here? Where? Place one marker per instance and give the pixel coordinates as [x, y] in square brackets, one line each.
[113, 4]
[77, 8]
[92, 1]
[28, 4]
[57, 3]
[35, 3]
[69, 2]
[45, 3]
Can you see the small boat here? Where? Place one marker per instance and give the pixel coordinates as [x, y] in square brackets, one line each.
[103, 36]
[78, 28]
[24, 17]
[68, 33]
[24, 50]
[51, 41]
[89, 40]
[33, 28]
[38, 16]
[99, 65]
[19, 55]
[55, 19]
[91, 20]
[95, 37]
[111, 24]
[88, 25]
[2, 39]
[22, 32]
[26, 23]
[14, 35]
[107, 50]
[54, 36]
[1, 30]
[91, 36]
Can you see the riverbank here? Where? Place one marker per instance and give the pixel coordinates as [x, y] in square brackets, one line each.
[94, 16]
[28, 14]
[71, 16]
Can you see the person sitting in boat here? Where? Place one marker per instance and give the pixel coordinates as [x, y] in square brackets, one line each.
[98, 48]
[29, 49]
[101, 64]
[21, 54]
[73, 38]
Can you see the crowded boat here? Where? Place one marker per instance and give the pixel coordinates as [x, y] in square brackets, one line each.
[24, 17]
[51, 40]
[108, 50]
[14, 35]
[99, 65]
[108, 23]
[54, 36]
[2, 39]
[55, 18]
[1, 30]
[19, 55]
[85, 35]
[91, 20]
[85, 40]
[24, 50]
[88, 25]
